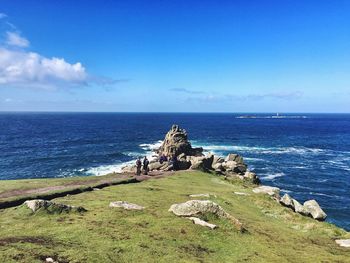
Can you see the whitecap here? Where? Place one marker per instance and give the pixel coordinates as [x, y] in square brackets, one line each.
[273, 176]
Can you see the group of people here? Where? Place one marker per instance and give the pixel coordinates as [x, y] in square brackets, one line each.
[139, 165]
[143, 165]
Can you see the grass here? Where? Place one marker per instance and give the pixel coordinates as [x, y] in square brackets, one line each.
[103, 234]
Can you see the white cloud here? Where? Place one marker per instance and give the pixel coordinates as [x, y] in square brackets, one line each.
[29, 69]
[14, 39]
[2, 15]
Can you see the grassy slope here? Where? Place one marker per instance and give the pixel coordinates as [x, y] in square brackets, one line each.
[106, 234]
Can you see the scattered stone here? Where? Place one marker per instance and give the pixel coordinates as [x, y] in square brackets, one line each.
[241, 193]
[126, 205]
[201, 222]
[201, 207]
[50, 260]
[96, 189]
[287, 201]
[299, 208]
[199, 195]
[51, 207]
[315, 210]
[343, 242]
[271, 191]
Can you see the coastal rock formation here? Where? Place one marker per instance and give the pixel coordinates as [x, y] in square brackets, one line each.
[315, 210]
[299, 208]
[126, 205]
[176, 143]
[287, 201]
[202, 207]
[51, 207]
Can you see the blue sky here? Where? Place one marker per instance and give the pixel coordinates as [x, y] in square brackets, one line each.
[175, 56]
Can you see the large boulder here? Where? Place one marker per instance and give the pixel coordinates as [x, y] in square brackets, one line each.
[203, 207]
[251, 177]
[51, 207]
[176, 143]
[315, 210]
[299, 208]
[203, 163]
[287, 201]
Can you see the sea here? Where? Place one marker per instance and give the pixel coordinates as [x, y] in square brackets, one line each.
[306, 155]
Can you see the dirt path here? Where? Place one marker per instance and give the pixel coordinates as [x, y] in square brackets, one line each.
[17, 196]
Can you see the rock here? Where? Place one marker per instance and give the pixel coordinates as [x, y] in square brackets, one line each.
[343, 242]
[287, 201]
[218, 166]
[129, 169]
[234, 157]
[182, 157]
[201, 222]
[199, 195]
[158, 166]
[299, 208]
[202, 162]
[233, 166]
[183, 165]
[176, 143]
[241, 193]
[271, 191]
[51, 207]
[126, 205]
[202, 207]
[217, 160]
[252, 177]
[50, 260]
[315, 210]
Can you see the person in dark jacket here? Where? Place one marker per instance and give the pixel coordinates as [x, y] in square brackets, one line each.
[138, 166]
[145, 165]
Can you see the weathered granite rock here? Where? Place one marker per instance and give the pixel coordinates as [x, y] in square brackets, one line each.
[218, 166]
[271, 191]
[252, 177]
[241, 193]
[299, 208]
[202, 207]
[183, 164]
[287, 201]
[315, 210]
[202, 162]
[201, 222]
[129, 169]
[176, 143]
[199, 195]
[158, 166]
[126, 205]
[217, 159]
[51, 207]
[234, 157]
[343, 242]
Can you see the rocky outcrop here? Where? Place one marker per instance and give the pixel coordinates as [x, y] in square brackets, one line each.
[309, 208]
[51, 207]
[176, 143]
[203, 207]
[126, 205]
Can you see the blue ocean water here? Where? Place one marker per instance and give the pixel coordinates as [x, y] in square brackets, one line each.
[306, 157]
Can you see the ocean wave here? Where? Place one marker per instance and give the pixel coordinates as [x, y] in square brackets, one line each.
[151, 146]
[107, 169]
[270, 177]
[260, 150]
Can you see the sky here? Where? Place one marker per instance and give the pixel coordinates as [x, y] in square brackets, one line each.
[175, 56]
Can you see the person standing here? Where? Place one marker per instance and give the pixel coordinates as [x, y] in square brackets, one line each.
[138, 166]
[145, 165]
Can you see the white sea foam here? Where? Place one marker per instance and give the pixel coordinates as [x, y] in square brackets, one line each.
[260, 150]
[272, 176]
[151, 146]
